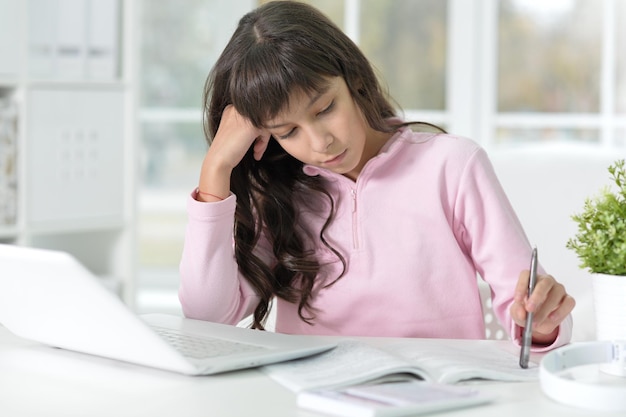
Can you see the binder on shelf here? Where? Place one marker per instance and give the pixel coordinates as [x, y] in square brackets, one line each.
[71, 31]
[102, 39]
[73, 39]
[42, 37]
[9, 37]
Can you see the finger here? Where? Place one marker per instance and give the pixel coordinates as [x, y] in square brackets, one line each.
[564, 309]
[518, 314]
[556, 317]
[545, 286]
[521, 288]
[545, 304]
[260, 146]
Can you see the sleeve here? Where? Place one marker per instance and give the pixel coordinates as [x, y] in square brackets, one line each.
[496, 241]
[211, 287]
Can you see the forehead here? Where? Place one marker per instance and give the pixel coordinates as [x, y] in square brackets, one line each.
[302, 100]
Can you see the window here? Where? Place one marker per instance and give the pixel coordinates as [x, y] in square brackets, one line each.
[558, 71]
[406, 42]
[540, 67]
[180, 40]
[504, 72]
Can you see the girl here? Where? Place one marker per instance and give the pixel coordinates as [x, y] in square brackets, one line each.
[357, 224]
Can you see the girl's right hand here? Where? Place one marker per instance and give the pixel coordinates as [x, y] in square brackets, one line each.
[235, 135]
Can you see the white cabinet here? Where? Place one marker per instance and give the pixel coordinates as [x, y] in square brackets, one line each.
[67, 131]
[76, 147]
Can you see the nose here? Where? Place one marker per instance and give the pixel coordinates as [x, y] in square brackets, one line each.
[320, 140]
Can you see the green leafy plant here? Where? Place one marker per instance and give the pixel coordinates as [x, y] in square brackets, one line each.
[600, 241]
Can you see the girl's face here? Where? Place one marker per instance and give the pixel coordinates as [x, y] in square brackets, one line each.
[327, 129]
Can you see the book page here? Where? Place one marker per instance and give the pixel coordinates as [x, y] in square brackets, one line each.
[351, 362]
[464, 360]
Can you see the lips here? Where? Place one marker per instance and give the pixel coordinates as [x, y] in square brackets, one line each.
[336, 159]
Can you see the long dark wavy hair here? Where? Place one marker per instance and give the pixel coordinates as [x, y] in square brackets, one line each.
[277, 49]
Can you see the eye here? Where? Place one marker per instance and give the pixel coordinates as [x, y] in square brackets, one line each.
[288, 134]
[327, 109]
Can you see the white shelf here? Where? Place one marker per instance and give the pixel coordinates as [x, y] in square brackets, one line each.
[8, 83]
[71, 80]
[8, 232]
[77, 226]
[69, 85]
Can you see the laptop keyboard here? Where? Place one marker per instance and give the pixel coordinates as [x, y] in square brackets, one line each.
[202, 347]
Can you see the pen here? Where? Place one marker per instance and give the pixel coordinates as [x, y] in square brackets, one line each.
[528, 331]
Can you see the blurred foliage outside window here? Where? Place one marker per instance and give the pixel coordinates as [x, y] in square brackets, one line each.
[406, 42]
[541, 63]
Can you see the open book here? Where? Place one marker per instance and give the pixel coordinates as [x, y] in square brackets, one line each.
[445, 361]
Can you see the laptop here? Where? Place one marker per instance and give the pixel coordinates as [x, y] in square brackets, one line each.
[50, 297]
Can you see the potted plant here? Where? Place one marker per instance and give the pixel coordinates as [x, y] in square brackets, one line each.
[600, 244]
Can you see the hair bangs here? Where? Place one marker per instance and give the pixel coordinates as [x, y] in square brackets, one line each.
[268, 77]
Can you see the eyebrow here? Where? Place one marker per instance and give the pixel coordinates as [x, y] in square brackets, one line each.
[314, 98]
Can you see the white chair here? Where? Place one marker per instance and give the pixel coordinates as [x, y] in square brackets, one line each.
[493, 328]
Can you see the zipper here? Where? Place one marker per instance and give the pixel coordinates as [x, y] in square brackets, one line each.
[355, 223]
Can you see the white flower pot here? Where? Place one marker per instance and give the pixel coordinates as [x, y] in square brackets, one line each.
[609, 300]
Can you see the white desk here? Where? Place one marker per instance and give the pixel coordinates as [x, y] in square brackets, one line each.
[36, 380]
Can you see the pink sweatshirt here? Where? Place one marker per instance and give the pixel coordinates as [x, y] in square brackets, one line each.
[424, 217]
